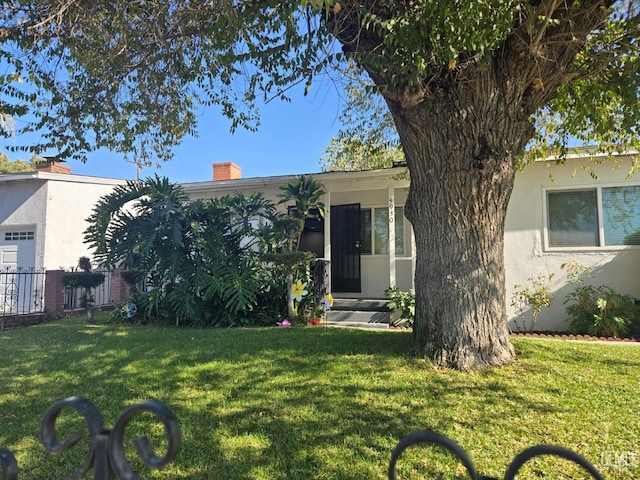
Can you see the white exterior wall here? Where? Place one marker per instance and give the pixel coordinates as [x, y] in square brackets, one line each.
[526, 253]
[56, 207]
[70, 203]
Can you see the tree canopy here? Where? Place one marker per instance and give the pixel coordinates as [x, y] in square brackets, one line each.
[8, 166]
[134, 75]
[368, 138]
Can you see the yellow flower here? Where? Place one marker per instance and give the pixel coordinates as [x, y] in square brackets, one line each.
[298, 290]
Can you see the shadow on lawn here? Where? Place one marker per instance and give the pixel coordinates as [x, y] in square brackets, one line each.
[262, 403]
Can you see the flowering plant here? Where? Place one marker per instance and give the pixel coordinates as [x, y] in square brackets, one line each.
[310, 309]
[298, 290]
[298, 293]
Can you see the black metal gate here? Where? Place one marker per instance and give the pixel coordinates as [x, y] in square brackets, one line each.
[345, 248]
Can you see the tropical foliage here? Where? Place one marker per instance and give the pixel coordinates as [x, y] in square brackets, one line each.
[599, 310]
[221, 261]
[305, 195]
[200, 261]
[404, 302]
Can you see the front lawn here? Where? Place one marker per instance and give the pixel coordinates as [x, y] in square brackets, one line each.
[319, 403]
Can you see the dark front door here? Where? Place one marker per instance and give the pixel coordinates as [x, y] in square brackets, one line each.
[345, 248]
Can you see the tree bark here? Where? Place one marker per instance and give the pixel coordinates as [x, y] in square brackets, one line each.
[460, 149]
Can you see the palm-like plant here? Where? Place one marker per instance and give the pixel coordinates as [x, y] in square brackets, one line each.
[137, 217]
[305, 195]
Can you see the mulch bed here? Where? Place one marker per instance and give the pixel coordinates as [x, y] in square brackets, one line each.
[571, 336]
[558, 335]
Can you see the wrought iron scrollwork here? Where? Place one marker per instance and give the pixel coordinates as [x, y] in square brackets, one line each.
[434, 438]
[107, 458]
[8, 465]
[9, 294]
[106, 455]
[553, 450]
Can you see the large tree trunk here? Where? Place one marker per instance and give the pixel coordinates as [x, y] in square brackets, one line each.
[460, 152]
[461, 124]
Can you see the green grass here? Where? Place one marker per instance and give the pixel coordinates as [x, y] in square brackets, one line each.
[319, 403]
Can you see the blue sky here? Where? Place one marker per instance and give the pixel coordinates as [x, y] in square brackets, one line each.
[290, 140]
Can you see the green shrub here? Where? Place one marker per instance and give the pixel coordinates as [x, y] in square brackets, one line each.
[86, 280]
[201, 262]
[536, 294]
[599, 310]
[403, 301]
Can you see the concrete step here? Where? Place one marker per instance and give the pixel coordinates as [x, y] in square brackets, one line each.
[360, 304]
[357, 318]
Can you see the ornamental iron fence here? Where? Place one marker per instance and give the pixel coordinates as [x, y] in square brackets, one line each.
[21, 291]
[107, 458]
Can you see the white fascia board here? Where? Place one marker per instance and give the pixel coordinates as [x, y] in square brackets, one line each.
[588, 151]
[350, 180]
[59, 177]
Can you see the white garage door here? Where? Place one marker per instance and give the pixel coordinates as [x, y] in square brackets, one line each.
[17, 248]
[17, 251]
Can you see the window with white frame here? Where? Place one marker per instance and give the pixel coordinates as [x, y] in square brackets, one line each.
[374, 231]
[594, 217]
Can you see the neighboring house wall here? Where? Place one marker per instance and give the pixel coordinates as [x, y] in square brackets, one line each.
[529, 251]
[54, 207]
[22, 210]
[70, 202]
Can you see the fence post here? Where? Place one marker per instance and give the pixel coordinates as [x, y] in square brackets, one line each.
[54, 294]
[119, 288]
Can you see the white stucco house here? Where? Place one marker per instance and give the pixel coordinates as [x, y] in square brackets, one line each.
[43, 216]
[557, 214]
[366, 257]
[582, 212]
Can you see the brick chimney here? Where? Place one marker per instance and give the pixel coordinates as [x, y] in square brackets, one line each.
[52, 167]
[226, 171]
